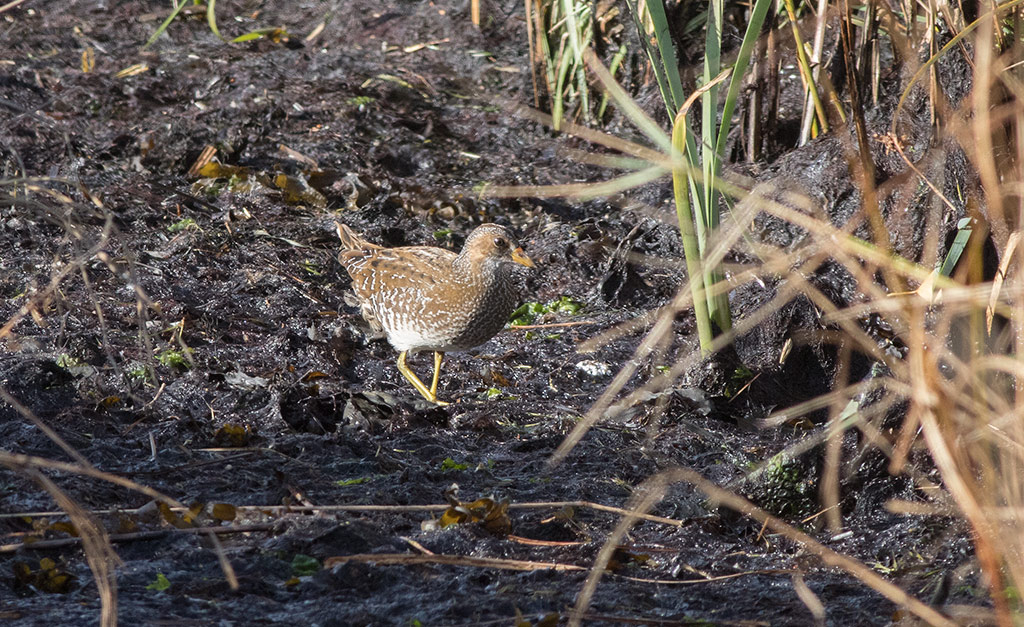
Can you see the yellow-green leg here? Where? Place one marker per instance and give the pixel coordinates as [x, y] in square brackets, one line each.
[429, 394]
[437, 373]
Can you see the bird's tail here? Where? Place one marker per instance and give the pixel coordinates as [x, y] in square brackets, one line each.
[353, 247]
[350, 240]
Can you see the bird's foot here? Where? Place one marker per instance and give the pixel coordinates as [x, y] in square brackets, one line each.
[428, 393]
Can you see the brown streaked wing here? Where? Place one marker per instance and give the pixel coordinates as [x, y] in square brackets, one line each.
[421, 267]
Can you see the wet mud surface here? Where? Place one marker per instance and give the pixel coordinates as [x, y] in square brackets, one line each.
[199, 341]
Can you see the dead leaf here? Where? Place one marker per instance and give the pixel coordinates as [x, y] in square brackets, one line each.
[232, 435]
[492, 516]
[224, 511]
[65, 527]
[88, 60]
[297, 191]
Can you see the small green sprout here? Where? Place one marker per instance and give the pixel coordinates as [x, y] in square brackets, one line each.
[450, 464]
[160, 584]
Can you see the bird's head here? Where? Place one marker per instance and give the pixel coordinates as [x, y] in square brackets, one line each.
[494, 243]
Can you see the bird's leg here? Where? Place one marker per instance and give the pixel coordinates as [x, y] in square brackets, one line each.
[437, 372]
[416, 383]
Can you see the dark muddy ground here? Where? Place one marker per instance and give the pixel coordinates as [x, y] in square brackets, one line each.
[199, 342]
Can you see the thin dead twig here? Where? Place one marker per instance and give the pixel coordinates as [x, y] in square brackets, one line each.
[45, 428]
[449, 560]
[655, 488]
[10, 5]
[285, 509]
[709, 579]
[551, 325]
[19, 462]
[637, 620]
[98, 551]
[95, 551]
[46, 545]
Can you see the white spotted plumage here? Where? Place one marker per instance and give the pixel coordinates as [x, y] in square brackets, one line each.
[426, 298]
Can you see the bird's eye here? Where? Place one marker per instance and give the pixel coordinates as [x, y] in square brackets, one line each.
[500, 242]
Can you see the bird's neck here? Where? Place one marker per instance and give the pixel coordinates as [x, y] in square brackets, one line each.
[467, 267]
